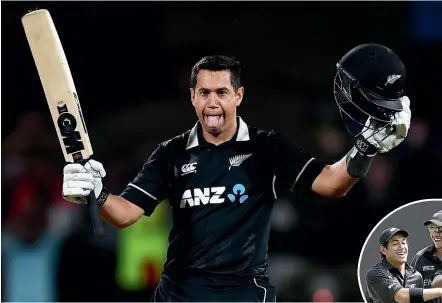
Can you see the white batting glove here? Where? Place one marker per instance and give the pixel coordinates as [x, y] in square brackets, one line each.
[385, 139]
[79, 181]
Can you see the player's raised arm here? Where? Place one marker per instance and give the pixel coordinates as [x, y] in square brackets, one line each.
[337, 179]
[369, 90]
[140, 197]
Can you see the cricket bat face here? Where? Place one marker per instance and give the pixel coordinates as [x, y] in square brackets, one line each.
[58, 85]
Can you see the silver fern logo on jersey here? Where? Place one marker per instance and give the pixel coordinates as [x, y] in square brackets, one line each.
[237, 160]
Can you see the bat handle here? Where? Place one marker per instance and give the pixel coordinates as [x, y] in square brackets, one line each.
[94, 213]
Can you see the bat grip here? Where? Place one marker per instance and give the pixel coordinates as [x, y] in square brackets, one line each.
[94, 213]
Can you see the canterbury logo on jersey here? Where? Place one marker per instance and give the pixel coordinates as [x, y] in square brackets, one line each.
[188, 168]
[237, 160]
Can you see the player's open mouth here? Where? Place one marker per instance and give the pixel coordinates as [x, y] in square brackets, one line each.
[213, 120]
[401, 253]
[437, 239]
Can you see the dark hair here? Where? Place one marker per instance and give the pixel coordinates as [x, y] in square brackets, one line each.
[385, 244]
[218, 63]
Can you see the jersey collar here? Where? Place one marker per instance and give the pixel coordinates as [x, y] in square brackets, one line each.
[387, 265]
[242, 134]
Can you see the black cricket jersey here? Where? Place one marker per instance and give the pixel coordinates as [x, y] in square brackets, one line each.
[429, 265]
[383, 281]
[221, 197]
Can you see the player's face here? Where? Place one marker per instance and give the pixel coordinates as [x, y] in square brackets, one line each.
[215, 100]
[396, 250]
[436, 234]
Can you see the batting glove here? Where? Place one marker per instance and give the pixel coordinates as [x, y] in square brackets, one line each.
[387, 138]
[79, 181]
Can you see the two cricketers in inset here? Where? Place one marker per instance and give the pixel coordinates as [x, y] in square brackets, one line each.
[393, 279]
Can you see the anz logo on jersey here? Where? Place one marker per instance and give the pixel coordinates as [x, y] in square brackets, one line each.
[213, 195]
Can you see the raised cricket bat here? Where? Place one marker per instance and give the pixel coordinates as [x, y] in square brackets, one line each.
[61, 95]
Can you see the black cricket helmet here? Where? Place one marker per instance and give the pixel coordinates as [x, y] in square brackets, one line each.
[369, 83]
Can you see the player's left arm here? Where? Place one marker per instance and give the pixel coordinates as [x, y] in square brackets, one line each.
[298, 171]
[334, 180]
[337, 179]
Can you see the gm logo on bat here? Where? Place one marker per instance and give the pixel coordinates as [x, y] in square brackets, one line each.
[212, 195]
[67, 124]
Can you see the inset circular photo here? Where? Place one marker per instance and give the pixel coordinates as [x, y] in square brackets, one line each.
[401, 260]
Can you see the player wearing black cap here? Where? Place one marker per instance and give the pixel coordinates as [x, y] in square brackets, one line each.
[223, 175]
[392, 279]
[428, 260]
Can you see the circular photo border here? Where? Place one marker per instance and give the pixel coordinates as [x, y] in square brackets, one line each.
[375, 230]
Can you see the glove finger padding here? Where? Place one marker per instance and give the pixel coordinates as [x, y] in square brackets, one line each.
[79, 184]
[76, 195]
[86, 177]
[95, 168]
[75, 192]
[401, 125]
[369, 131]
[387, 138]
[403, 119]
[406, 104]
[74, 168]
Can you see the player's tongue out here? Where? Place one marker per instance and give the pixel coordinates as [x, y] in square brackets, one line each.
[213, 120]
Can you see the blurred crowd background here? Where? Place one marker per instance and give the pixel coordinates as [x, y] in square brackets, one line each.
[131, 65]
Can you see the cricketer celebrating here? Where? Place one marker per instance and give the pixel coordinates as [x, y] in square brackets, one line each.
[223, 175]
[393, 280]
[427, 261]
